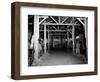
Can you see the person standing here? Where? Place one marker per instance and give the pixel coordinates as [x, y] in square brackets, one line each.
[78, 48]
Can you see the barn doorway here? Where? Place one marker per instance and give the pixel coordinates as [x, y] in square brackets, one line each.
[56, 39]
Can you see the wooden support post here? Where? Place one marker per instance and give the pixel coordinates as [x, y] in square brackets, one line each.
[59, 19]
[86, 36]
[48, 41]
[36, 36]
[85, 26]
[73, 35]
[67, 39]
[45, 39]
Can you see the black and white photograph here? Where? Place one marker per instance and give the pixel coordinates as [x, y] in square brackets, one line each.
[57, 40]
[50, 40]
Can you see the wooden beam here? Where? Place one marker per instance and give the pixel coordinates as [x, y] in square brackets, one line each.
[57, 34]
[48, 41]
[85, 26]
[59, 18]
[59, 30]
[54, 27]
[36, 36]
[53, 19]
[73, 36]
[45, 39]
[86, 36]
[58, 27]
[67, 39]
[80, 21]
[43, 19]
[55, 30]
[64, 20]
[59, 24]
[70, 32]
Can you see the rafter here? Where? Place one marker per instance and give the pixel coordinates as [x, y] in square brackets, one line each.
[53, 19]
[64, 20]
[80, 21]
[43, 19]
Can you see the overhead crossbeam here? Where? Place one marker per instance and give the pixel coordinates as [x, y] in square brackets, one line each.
[59, 24]
[55, 30]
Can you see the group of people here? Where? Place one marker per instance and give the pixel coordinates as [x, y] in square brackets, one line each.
[78, 47]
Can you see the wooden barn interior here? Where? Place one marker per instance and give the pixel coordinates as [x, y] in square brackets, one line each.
[59, 35]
